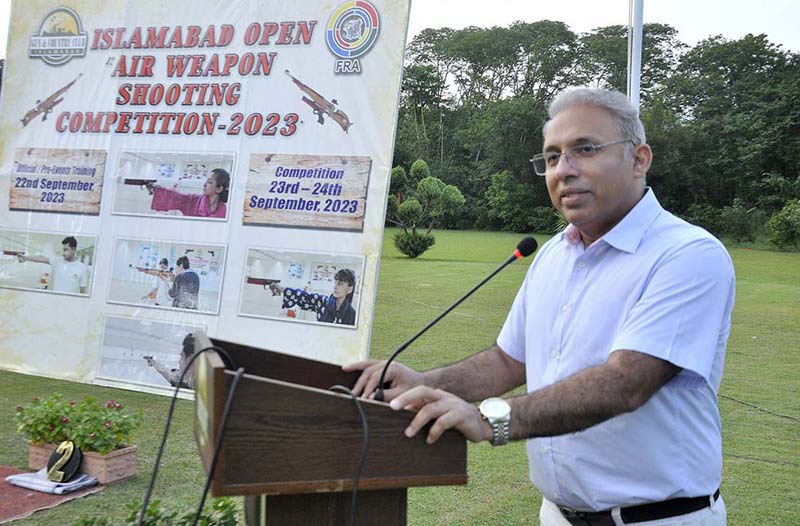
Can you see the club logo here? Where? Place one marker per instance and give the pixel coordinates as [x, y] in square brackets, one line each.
[60, 37]
[352, 31]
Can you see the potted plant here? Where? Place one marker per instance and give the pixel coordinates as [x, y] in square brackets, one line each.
[102, 430]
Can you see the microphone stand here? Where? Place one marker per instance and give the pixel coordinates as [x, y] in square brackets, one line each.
[514, 257]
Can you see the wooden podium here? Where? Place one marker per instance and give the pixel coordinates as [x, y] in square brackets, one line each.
[292, 446]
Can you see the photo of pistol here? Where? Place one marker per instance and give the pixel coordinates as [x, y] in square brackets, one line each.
[267, 283]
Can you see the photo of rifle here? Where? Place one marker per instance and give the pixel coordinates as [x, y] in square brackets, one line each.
[13, 253]
[155, 272]
[321, 106]
[266, 282]
[46, 106]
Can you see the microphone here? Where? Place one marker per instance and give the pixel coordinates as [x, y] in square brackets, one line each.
[525, 248]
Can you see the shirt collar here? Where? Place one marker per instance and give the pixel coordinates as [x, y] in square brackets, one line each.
[628, 233]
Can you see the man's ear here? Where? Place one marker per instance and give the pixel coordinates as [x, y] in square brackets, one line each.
[642, 158]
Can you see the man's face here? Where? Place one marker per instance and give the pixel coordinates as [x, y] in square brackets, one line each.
[68, 251]
[594, 193]
[163, 267]
[341, 289]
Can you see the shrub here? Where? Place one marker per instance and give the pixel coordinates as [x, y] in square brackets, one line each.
[413, 244]
[740, 222]
[221, 512]
[93, 426]
[784, 226]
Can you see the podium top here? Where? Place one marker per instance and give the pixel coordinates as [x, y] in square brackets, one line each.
[288, 433]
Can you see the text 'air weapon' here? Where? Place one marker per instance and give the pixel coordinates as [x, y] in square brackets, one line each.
[322, 106]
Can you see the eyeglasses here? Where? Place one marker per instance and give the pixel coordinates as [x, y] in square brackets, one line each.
[575, 154]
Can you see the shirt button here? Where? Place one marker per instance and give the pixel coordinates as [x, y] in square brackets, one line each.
[554, 353]
[581, 264]
[564, 308]
[546, 450]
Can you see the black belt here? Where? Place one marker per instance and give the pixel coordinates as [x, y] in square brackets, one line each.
[641, 513]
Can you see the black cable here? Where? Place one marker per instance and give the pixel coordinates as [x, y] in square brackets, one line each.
[225, 413]
[150, 486]
[758, 407]
[357, 478]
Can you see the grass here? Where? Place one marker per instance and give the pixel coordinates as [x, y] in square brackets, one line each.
[762, 450]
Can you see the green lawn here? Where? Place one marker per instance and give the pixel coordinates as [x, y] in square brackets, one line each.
[762, 450]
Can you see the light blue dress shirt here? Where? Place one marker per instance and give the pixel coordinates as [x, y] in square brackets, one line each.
[654, 284]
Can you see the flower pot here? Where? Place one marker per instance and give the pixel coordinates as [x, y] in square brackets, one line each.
[111, 467]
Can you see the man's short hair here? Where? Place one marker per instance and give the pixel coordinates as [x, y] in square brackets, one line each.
[183, 262]
[71, 241]
[621, 109]
[346, 275]
[164, 261]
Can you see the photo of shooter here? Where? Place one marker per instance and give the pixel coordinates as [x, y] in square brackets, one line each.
[146, 352]
[173, 185]
[292, 286]
[142, 275]
[46, 262]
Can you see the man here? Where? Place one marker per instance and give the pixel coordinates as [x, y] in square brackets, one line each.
[69, 274]
[619, 331]
[185, 290]
[173, 376]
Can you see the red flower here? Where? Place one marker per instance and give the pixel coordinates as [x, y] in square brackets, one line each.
[107, 424]
[110, 404]
[51, 427]
[92, 435]
[64, 420]
[19, 408]
[72, 404]
[117, 406]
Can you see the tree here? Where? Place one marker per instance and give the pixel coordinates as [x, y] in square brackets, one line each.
[430, 204]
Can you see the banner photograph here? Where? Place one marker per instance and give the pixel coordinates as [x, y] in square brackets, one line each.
[168, 168]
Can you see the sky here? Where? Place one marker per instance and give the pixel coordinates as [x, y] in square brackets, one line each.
[694, 19]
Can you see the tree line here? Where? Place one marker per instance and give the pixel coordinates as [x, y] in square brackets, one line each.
[722, 118]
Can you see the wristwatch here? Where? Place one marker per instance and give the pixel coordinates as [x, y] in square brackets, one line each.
[497, 412]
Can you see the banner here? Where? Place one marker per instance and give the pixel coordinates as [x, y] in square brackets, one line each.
[174, 166]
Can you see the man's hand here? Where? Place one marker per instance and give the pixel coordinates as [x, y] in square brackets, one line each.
[399, 377]
[21, 258]
[447, 410]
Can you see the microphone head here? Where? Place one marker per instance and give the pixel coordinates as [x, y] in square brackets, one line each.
[527, 246]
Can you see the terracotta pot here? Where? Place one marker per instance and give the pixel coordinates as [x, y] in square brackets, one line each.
[111, 467]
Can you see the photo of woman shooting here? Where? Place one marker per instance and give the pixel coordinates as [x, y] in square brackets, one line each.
[211, 203]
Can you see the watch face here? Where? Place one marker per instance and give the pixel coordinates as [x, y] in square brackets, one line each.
[495, 408]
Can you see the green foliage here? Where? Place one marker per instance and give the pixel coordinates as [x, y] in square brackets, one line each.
[399, 181]
[721, 116]
[92, 425]
[512, 206]
[419, 171]
[220, 512]
[413, 244]
[433, 202]
[742, 223]
[706, 216]
[784, 226]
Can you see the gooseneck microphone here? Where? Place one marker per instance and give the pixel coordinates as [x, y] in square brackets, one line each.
[525, 248]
